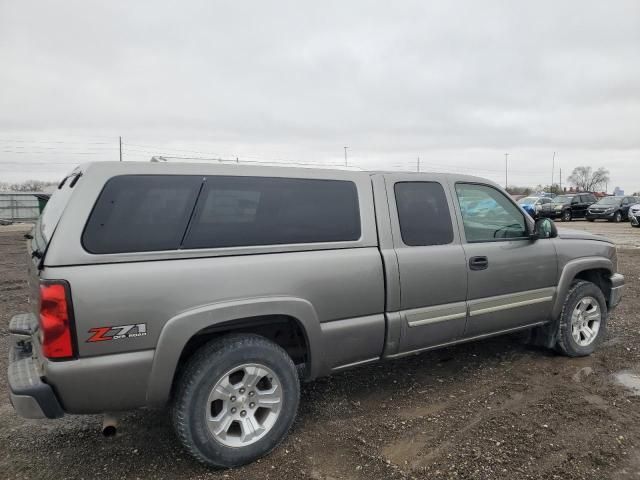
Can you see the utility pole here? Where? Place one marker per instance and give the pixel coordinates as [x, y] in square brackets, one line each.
[120, 138]
[345, 156]
[553, 166]
[560, 179]
[418, 164]
[506, 175]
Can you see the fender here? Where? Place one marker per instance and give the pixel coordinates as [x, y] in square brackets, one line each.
[569, 272]
[179, 329]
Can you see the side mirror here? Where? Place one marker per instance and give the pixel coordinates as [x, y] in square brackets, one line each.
[545, 228]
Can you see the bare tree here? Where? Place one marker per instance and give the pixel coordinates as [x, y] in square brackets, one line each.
[586, 180]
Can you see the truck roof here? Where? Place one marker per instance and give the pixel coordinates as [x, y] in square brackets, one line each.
[232, 168]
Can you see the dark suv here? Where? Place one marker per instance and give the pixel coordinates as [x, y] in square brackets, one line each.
[568, 207]
[614, 209]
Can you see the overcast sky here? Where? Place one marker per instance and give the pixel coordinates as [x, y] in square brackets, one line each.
[457, 84]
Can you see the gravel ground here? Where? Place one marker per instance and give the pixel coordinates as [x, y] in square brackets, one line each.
[487, 410]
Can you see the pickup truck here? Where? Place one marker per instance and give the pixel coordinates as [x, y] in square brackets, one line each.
[214, 289]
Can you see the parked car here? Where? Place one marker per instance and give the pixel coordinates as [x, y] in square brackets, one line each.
[212, 289]
[613, 209]
[634, 215]
[532, 205]
[568, 207]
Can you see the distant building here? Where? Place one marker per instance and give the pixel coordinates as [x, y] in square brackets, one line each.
[618, 192]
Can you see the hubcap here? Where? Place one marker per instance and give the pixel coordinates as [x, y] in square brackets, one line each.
[585, 321]
[244, 405]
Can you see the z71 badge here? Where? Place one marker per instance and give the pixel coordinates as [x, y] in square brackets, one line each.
[102, 334]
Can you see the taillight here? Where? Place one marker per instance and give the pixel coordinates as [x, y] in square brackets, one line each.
[55, 320]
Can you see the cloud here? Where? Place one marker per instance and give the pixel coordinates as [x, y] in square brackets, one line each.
[392, 79]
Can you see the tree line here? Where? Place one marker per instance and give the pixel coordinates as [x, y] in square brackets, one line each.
[26, 186]
[583, 179]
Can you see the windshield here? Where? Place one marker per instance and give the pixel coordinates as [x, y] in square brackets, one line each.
[610, 201]
[564, 199]
[527, 200]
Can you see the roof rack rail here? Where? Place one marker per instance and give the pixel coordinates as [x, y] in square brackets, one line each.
[238, 161]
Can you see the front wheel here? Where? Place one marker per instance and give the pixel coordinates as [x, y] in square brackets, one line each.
[583, 322]
[617, 217]
[235, 400]
[566, 216]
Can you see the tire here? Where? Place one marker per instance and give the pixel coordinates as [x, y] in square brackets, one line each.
[617, 217]
[213, 371]
[568, 344]
[591, 219]
[566, 216]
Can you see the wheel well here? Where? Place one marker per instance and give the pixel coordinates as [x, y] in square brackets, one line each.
[283, 330]
[600, 277]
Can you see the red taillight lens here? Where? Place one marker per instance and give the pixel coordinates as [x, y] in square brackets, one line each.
[55, 323]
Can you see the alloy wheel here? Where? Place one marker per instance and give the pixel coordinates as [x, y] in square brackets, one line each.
[585, 321]
[244, 405]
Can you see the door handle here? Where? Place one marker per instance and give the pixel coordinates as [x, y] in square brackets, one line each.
[478, 263]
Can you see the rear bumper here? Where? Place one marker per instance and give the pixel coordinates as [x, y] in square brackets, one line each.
[617, 287]
[30, 396]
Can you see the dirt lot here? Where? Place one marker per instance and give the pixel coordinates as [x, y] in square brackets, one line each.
[488, 410]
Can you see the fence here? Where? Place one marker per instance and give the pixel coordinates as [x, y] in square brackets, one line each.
[21, 206]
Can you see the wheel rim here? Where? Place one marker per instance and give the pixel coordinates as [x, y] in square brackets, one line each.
[567, 215]
[585, 321]
[244, 405]
[618, 217]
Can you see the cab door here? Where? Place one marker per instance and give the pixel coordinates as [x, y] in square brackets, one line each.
[431, 261]
[511, 277]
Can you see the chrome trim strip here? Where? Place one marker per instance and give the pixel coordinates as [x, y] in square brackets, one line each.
[507, 306]
[355, 364]
[512, 300]
[435, 314]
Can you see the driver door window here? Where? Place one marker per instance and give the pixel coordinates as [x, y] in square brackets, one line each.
[487, 215]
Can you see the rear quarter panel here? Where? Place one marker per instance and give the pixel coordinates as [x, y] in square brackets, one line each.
[340, 284]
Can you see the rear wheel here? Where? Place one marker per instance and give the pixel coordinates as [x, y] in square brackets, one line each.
[583, 322]
[236, 400]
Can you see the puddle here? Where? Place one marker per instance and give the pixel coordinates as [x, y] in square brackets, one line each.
[629, 380]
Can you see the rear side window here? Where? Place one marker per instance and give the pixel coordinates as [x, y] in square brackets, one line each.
[423, 214]
[252, 211]
[140, 213]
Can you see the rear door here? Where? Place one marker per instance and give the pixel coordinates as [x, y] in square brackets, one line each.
[586, 200]
[431, 262]
[577, 207]
[511, 278]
